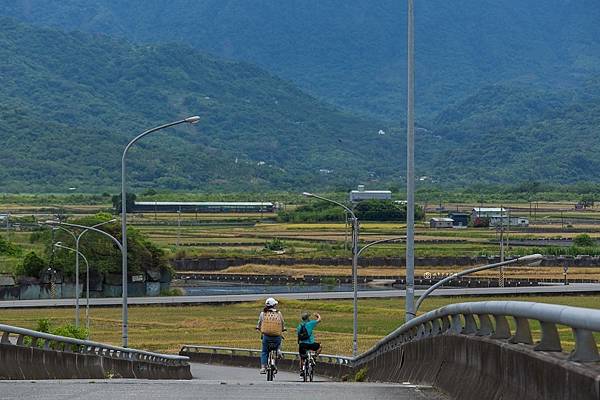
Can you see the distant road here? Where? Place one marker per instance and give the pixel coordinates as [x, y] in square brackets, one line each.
[214, 382]
[574, 288]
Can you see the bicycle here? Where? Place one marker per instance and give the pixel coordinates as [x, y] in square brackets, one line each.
[308, 366]
[272, 362]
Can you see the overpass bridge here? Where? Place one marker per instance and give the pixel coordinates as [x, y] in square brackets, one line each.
[481, 350]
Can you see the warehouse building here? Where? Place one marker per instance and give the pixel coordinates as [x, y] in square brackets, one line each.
[203, 207]
[441, 223]
[362, 194]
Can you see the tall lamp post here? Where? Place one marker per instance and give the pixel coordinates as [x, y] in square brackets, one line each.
[410, 169]
[531, 259]
[87, 265]
[355, 252]
[189, 120]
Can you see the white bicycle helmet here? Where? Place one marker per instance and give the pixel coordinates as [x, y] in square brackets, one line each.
[271, 302]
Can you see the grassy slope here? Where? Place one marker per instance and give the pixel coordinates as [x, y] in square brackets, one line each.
[167, 328]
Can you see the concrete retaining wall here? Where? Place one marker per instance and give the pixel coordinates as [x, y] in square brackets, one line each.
[21, 362]
[474, 368]
[218, 264]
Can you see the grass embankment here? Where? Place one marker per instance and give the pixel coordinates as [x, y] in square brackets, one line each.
[165, 329]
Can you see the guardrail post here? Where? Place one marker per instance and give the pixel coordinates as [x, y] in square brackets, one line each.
[445, 324]
[435, 327]
[550, 338]
[585, 347]
[485, 325]
[523, 333]
[470, 325]
[502, 330]
[456, 324]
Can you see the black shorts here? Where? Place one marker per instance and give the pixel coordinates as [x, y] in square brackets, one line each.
[303, 347]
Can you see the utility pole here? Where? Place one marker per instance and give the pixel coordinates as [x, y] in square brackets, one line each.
[410, 169]
[7, 226]
[501, 278]
[346, 230]
[178, 227]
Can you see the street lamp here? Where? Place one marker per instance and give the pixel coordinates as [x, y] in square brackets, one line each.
[355, 253]
[189, 120]
[410, 168]
[77, 238]
[532, 259]
[77, 254]
[111, 237]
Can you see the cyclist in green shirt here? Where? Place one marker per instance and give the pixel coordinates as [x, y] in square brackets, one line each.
[306, 338]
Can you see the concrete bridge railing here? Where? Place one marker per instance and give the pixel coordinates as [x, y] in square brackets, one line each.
[470, 351]
[28, 354]
[449, 319]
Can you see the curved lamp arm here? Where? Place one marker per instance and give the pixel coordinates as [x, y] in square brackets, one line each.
[307, 194]
[56, 224]
[529, 259]
[59, 245]
[395, 239]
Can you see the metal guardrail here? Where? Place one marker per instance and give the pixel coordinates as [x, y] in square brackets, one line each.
[30, 338]
[460, 319]
[328, 358]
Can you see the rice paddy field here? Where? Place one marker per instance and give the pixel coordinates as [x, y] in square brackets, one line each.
[245, 235]
[167, 328]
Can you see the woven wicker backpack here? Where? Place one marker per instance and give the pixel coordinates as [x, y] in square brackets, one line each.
[271, 324]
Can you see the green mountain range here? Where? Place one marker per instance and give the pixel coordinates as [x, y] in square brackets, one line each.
[69, 102]
[353, 53]
[507, 92]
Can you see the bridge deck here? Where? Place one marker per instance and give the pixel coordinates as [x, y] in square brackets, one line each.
[214, 382]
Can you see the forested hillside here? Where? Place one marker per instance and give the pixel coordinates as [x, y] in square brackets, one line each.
[69, 102]
[522, 134]
[352, 53]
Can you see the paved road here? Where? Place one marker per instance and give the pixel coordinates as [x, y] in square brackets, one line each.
[574, 288]
[213, 382]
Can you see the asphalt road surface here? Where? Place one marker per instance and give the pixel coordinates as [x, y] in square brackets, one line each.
[574, 288]
[213, 382]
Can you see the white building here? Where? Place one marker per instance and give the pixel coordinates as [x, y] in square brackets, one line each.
[441, 223]
[487, 212]
[362, 194]
[497, 220]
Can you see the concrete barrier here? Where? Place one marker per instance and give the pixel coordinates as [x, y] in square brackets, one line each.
[475, 368]
[25, 362]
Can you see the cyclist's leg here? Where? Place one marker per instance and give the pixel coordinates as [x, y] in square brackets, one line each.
[317, 348]
[277, 341]
[302, 353]
[264, 355]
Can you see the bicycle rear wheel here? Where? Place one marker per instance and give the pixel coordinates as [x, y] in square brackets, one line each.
[271, 366]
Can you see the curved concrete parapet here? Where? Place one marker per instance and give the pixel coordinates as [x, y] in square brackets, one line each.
[459, 350]
[476, 368]
[26, 354]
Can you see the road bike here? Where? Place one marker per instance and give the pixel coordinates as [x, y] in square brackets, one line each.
[308, 366]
